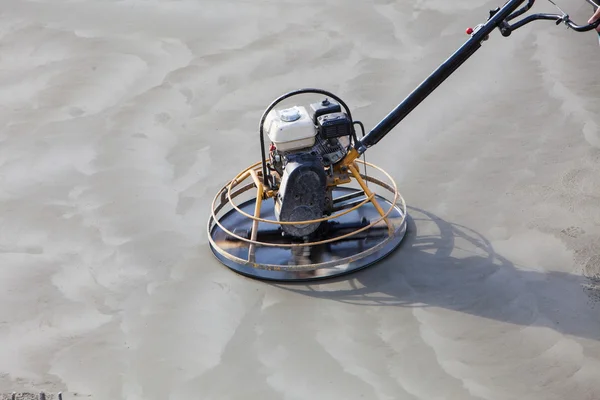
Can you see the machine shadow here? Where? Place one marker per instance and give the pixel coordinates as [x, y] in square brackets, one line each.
[448, 266]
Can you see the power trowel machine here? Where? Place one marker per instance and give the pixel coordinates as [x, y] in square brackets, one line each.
[313, 209]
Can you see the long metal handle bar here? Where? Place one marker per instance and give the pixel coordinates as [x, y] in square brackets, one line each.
[436, 78]
[498, 19]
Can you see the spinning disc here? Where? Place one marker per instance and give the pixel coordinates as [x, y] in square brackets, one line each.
[351, 240]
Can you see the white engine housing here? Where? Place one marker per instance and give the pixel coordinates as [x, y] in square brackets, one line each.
[291, 129]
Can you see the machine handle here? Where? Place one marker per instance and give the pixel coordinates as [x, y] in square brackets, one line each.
[499, 18]
[506, 29]
[582, 28]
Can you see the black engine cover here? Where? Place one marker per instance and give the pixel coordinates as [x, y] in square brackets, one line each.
[301, 194]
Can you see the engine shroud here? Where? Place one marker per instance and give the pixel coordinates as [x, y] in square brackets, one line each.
[301, 195]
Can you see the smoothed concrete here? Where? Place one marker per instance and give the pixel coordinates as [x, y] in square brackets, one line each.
[121, 119]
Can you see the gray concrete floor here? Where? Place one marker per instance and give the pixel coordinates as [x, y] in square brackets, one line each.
[121, 119]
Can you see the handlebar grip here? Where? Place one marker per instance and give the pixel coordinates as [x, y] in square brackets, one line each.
[583, 28]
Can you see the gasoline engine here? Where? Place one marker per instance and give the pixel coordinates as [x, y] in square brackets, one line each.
[305, 144]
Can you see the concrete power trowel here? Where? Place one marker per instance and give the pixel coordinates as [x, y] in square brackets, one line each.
[312, 208]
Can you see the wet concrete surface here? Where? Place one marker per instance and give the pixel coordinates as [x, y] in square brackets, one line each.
[121, 120]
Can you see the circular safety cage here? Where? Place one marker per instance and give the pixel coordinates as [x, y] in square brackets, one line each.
[368, 222]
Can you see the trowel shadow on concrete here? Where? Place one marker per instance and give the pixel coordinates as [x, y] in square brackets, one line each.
[448, 266]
